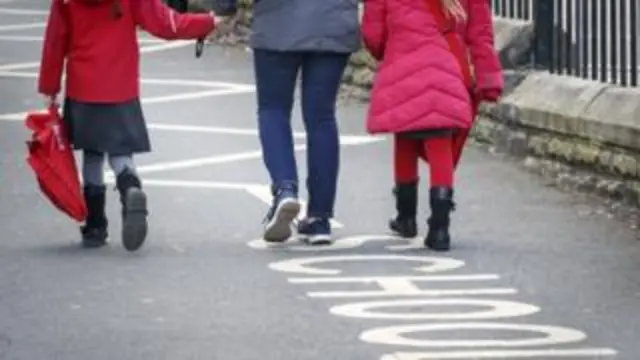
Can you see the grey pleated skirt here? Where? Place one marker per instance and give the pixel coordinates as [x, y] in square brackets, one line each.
[114, 129]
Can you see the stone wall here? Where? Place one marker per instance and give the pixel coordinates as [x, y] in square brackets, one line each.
[578, 133]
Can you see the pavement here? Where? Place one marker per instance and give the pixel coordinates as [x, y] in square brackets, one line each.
[535, 272]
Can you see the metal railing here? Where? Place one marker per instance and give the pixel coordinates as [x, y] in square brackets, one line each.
[513, 9]
[591, 39]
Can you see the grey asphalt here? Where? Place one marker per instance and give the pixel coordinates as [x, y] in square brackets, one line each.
[197, 290]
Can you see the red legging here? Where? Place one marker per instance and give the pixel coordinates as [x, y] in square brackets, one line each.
[439, 151]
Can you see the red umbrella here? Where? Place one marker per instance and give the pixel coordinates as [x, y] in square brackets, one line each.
[51, 157]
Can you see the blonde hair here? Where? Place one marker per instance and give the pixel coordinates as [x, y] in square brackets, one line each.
[455, 9]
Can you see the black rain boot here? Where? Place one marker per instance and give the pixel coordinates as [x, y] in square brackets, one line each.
[441, 201]
[404, 224]
[134, 210]
[94, 232]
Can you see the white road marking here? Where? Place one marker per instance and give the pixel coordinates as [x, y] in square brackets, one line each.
[414, 299]
[27, 26]
[404, 287]
[391, 279]
[303, 265]
[191, 96]
[227, 158]
[205, 83]
[8, 71]
[18, 66]
[393, 335]
[167, 45]
[27, 38]
[251, 188]
[20, 116]
[264, 193]
[592, 353]
[210, 185]
[497, 309]
[17, 11]
[200, 162]
[349, 242]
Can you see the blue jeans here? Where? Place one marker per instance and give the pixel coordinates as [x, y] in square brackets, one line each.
[276, 73]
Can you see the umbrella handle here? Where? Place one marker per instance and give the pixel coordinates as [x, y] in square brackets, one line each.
[199, 47]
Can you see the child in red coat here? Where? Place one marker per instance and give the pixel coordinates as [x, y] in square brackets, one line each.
[98, 40]
[437, 62]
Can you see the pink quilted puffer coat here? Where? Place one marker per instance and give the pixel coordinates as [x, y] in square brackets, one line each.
[419, 84]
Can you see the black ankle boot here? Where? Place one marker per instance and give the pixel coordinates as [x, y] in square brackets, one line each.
[134, 210]
[94, 232]
[441, 201]
[404, 224]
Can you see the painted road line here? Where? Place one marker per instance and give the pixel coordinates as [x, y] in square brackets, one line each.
[205, 83]
[253, 189]
[393, 335]
[18, 66]
[497, 309]
[503, 340]
[263, 192]
[9, 72]
[229, 158]
[593, 353]
[192, 95]
[403, 287]
[349, 139]
[345, 243]
[18, 11]
[14, 27]
[203, 161]
[168, 45]
[428, 265]
[20, 116]
[345, 140]
[26, 38]
[210, 185]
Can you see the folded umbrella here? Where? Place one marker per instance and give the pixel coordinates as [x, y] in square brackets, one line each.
[51, 157]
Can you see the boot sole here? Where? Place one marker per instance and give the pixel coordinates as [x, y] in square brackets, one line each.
[317, 240]
[95, 239]
[439, 248]
[279, 228]
[134, 223]
[442, 246]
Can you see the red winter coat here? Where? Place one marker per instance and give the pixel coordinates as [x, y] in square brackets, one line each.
[99, 41]
[419, 84]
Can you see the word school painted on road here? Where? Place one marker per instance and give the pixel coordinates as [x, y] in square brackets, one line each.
[402, 292]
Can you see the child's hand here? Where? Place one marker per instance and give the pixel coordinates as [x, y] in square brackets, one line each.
[49, 100]
[223, 24]
[491, 95]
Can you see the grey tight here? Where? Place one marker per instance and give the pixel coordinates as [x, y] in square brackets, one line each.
[93, 166]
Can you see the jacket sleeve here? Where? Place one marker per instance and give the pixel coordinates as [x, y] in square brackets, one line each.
[374, 27]
[162, 21]
[480, 39]
[54, 50]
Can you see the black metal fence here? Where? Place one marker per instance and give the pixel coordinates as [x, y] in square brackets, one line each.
[592, 39]
[514, 9]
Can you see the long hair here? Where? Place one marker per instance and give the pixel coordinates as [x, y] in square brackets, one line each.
[454, 8]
